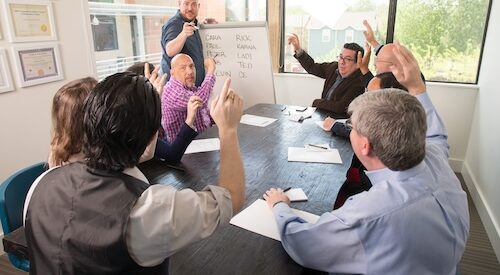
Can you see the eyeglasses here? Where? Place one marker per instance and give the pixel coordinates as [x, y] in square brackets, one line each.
[346, 59]
[348, 124]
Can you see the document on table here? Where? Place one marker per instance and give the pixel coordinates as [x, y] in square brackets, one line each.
[319, 153]
[259, 218]
[298, 113]
[259, 121]
[203, 145]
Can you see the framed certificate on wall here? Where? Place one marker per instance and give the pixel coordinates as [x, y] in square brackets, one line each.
[30, 21]
[37, 64]
[6, 84]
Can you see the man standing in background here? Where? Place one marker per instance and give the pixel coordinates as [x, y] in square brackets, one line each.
[180, 35]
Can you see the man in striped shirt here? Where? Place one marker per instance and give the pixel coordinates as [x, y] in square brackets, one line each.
[181, 90]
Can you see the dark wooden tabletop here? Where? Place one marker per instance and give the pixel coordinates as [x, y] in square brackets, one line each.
[233, 250]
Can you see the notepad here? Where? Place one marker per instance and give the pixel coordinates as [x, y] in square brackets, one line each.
[203, 145]
[296, 194]
[259, 218]
[316, 155]
[259, 121]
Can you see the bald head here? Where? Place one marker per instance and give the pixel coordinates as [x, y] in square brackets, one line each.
[182, 69]
[385, 59]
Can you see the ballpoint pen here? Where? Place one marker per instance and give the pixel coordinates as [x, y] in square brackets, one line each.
[286, 189]
[318, 146]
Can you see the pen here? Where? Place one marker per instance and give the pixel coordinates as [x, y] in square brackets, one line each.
[194, 26]
[286, 189]
[317, 146]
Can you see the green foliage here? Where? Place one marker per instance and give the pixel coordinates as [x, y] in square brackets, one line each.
[445, 36]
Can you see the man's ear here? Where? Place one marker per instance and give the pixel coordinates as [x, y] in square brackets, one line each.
[366, 148]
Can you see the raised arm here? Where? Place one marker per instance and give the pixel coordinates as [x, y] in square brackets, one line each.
[407, 72]
[175, 45]
[369, 35]
[226, 110]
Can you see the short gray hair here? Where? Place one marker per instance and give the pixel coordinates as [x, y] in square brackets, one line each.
[395, 124]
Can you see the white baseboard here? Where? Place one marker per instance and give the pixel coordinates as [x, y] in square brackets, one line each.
[456, 164]
[490, 224]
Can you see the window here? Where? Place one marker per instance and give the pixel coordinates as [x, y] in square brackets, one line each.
[125, 33]
[446, 37]
[326, 35]
[342, 18]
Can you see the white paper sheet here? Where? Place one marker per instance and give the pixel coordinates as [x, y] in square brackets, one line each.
[259, 218]
[301, 154]
[203, 145]
[259, 121]
[296, 194]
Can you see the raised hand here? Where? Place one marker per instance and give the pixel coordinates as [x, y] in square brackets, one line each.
[209, 64]
[226, 108]
[364, 61]
[293, 40]
[158, 82]
[406, 70]
[194, 104]
[369, 35]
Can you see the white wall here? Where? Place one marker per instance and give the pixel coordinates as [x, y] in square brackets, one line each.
[455, 104]
[482, 160]
[25, 113]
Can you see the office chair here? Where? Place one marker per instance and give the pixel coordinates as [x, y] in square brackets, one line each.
[12, 194]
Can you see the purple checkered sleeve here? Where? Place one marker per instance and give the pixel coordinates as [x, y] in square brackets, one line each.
[174, 105]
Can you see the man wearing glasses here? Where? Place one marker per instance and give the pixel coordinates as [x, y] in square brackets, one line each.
[343, 79]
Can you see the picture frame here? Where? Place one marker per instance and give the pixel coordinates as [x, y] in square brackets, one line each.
[30, 20]
[37, 64]
[6, 84]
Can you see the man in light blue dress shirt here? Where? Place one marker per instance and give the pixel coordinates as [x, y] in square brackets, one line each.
[414, 220]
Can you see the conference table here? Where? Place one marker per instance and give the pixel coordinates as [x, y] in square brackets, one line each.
[234, 250]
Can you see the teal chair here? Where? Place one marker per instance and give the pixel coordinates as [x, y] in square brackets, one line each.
[12, 194]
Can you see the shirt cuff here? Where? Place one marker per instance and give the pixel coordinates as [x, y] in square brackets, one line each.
[280, 208]
[299, 53]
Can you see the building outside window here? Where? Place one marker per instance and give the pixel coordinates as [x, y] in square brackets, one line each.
[343, 19]
[446, 37]
[326, 35]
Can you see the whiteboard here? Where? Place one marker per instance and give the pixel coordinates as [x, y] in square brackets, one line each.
[241, 51]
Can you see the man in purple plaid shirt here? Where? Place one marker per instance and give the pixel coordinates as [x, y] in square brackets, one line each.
[180, 90]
